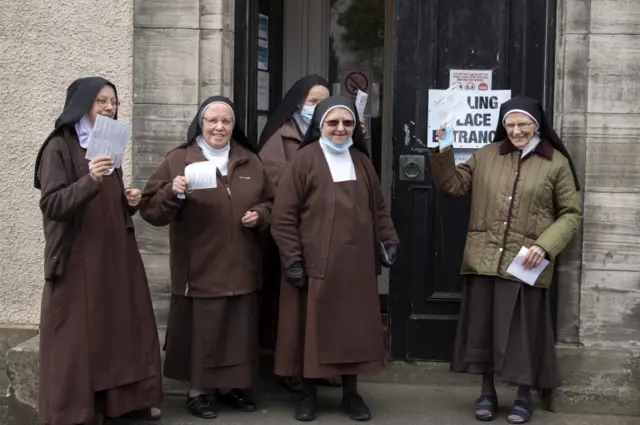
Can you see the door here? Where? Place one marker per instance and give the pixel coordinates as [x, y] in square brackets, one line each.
[515, 39]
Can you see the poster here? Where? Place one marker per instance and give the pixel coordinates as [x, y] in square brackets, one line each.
[263, 27]
[263, 91]
[474, 129]
[263, 55]
[471, 79]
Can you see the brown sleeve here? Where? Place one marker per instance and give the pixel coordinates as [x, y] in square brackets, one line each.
[449, 178]
[264, 209]
[386, 228]
[273, 157]
[60, 198]
[284, 219]
[159, 206]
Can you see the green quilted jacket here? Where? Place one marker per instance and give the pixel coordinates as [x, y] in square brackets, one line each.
[514, 203]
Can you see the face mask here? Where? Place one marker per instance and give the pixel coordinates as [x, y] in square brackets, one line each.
[306, 113]
[334, 147]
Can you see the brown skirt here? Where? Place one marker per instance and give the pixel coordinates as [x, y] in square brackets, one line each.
[505, 329]
[212, 342]
[297, 351]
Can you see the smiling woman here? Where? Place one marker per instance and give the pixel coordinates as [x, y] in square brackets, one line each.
[98, 336]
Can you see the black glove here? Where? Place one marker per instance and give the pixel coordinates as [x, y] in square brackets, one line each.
[296, 275]
[389, 251]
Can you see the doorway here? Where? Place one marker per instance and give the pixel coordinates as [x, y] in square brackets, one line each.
[512, 38]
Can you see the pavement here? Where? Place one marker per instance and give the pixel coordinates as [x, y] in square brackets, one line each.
[390, 404]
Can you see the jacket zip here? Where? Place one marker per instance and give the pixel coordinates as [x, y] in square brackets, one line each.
[512, 200]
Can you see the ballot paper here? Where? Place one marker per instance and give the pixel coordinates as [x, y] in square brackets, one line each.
[108, 137]
[528, 276]
[201, 175]
[449, 105]
[361, 103]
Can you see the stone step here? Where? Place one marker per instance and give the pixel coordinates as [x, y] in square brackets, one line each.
[396, 404]
[599, 381]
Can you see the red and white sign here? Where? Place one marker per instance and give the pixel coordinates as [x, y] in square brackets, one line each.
[354, 80]
[471, 79]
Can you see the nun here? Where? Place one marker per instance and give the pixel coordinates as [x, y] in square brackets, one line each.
[523, 195]
[98, 336]
[333, 230]
[279, 140]
[211, 339]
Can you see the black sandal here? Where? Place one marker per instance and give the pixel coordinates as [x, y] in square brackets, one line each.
[488, 402]
[522, 410]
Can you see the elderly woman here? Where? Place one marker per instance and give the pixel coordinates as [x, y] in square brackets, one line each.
[279, 140]
[98, 335]
[215, 258]
[524, 194]
[333, 229]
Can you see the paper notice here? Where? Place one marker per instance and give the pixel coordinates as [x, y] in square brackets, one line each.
[361, 103]
[528, 276]
[108, 137]
[449, 105]
[201, 175]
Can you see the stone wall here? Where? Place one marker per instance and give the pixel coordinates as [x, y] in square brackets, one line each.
[182, 54]
[598, 116]
[44, 46]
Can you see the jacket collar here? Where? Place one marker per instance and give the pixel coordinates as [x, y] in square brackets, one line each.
[290, 130]
[544, 148]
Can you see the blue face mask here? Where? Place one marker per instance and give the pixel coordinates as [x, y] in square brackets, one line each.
[334, 147]
[306, 113]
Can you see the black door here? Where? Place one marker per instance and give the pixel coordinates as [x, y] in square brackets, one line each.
[515, 39]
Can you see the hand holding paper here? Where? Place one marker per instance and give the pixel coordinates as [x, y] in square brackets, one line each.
[201, 175]
[108, 137]
[527, 275]
[445, 137]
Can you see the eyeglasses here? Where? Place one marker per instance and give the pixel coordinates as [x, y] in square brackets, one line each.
[213, 121]
[103, 102]
[521, 125]
[335, 123]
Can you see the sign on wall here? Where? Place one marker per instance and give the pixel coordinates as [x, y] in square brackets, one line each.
[476, 127]
[471, 79]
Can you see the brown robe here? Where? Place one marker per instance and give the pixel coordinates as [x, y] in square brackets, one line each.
[215, 267]
[332, 327]
[98, 335]
[275, 154]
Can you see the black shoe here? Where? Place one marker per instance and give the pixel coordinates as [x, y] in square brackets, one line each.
[202, 406]
[238, 400]
[356, 409]
[306, 409]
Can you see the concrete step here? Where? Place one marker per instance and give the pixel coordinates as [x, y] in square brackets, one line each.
[395, 404]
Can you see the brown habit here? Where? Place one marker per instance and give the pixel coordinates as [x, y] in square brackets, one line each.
[275, 154]
[98, 335]
[215, 267]
[333, 327]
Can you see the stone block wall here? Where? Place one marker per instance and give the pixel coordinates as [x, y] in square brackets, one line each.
[597, 110]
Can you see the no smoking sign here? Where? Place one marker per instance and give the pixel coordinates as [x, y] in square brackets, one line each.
[354, 80]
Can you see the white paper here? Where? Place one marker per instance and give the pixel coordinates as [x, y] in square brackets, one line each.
[201, 175]
[361, 103]
[528, 276]
[448, 105]
[108, 137]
